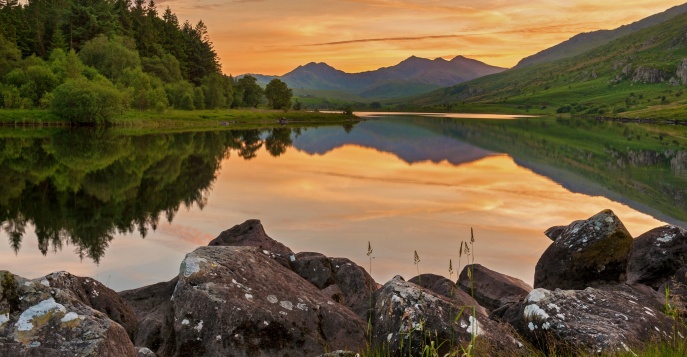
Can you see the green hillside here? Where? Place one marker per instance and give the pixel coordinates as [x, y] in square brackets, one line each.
[642, 74]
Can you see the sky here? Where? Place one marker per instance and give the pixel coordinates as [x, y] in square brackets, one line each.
[276, 36]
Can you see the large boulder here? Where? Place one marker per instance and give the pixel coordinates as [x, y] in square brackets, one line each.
[314, 267]
[446, 288]
[355, 283]
[96, 295]
[251, 233]
[657, 255]
[239, 301]
[408, 317]
[40, 320]
[492, 289]
[152, 306]
[587, 253]
[603, 320]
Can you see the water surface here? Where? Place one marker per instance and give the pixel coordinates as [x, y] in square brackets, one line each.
[126, 209]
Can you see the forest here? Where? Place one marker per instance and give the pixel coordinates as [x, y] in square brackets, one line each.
[89, 60]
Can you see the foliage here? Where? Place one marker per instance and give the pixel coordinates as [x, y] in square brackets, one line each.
[111, 57]
[249, 92]
[86, 102]
[278, 94]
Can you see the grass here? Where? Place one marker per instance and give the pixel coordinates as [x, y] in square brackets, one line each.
[180, 119]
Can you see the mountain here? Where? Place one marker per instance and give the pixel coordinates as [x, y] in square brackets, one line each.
[640, 74]
[410, 77]
[584, 42]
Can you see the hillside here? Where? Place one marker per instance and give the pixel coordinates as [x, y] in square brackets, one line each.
[584, 42]
[410, 77]
[643, 73]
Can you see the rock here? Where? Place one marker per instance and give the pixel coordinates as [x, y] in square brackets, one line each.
[408, 316]
[491, 289]
[604, 320]
[314, 267]
[239, 301]
[446, 288]
[554, 232]
[96, 295]
[251, 233]
[657, 256]
[334, 292]
[355, 283]
[681, 71]
[152, 306]
[648, 75]
[38, 320]
[588, 253]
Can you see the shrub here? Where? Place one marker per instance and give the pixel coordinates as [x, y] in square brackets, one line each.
[84, 102]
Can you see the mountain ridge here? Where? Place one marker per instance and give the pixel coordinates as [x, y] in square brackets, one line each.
[412, 76]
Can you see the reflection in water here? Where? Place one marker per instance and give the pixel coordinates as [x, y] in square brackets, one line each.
[83, 187]
[403, 184]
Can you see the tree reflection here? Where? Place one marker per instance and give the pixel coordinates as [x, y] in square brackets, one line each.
[83, 187]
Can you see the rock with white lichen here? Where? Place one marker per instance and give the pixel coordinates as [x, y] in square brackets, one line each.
[657, 256]
[587, 253]
[446, 288]
[41, 320]
[96, 295]
[251, 233]
[238, 301]
[603, 320]
[408, 317]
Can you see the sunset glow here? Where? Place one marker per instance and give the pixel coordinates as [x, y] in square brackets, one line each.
[274, 37]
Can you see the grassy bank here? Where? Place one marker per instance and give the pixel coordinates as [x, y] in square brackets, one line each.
[181, 119]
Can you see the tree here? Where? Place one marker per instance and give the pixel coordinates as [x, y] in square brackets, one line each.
[85, 102]
[110, 56]
[278, 94]
[252, 92]
[9, 56]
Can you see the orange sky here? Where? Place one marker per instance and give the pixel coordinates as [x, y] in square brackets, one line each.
[275, 36]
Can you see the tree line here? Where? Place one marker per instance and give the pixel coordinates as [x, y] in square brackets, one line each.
[88, 60]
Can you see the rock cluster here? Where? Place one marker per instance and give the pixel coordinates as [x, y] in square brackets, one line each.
[597, 290]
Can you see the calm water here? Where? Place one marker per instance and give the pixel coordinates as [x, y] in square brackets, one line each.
[126, 209]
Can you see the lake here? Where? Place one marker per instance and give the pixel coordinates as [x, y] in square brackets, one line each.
[125, 209]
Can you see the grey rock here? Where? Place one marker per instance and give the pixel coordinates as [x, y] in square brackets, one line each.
[96, 295]
[239, 301]
[646, 74]
[145, 352]
[592, 252]
[39, 320]
[355, 283]
[554, 232]
[657, 256]
[681, 71]
[408, 316]
[604, 320]
[492, 289]
[334, 292]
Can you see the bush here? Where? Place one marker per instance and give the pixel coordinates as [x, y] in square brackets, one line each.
[84, 102]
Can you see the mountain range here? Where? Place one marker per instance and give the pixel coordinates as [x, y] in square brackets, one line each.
[412, 76]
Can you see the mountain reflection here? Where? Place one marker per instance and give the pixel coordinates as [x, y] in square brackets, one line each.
[83, 187]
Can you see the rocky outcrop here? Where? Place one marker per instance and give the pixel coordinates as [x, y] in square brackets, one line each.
[251, 233]
[355, 283]
[604, 320]
[239, 300]
[408, 317]
[554, 232]
[657, 256]
[646, 74]
[592, 252]
[96, 295]
[39, 320]
[681, 71]
[315, 268]
[491, 289]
